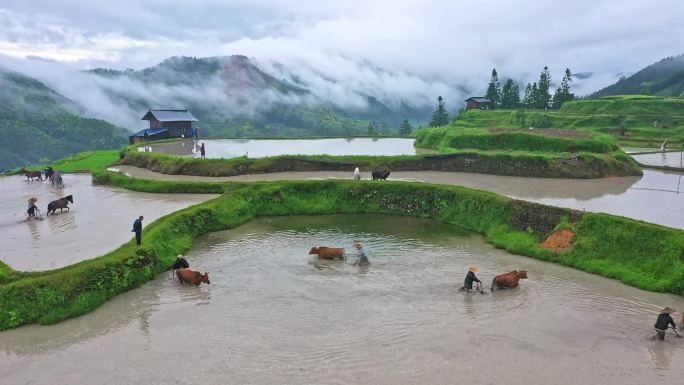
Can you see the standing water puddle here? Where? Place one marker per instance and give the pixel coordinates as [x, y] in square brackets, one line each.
[274, 315]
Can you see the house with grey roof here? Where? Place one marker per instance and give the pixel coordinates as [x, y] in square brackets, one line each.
[478, 102]
[165, 124]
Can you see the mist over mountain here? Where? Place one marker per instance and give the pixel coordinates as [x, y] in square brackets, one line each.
[235, 95]
[663, 78]
[39, 125]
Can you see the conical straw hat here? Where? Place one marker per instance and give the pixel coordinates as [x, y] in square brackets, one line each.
[473, 268]
[667, 310]
[33, 200]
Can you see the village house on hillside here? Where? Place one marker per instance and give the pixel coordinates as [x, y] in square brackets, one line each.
[165, 124]
[478, 102]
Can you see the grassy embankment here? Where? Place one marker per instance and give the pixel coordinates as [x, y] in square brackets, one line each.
[552, 148]
[640, 254]
[89, 161]
[637, 113]
[500, 160]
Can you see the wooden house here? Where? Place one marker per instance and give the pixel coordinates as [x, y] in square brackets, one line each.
[165, 124]
[477, 102]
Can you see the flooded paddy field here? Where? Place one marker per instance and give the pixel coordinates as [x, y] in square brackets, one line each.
[260, 148]
[656, 197]
[274, 315]
[99, 220]
[669, 159]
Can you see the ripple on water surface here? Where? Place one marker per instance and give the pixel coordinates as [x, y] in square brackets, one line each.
[274, 315]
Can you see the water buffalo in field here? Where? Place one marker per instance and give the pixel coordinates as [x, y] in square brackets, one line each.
[61, 204]
[380, 174]
[181, 263]
[56, 179]
[509, 279]
[327, 252]
[192, 277]
[32, 174]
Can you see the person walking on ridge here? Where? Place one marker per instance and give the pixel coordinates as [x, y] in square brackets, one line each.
[357, 173]
[202, 151]
[137, 229]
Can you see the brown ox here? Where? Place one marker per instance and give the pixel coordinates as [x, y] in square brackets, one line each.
[192, 277]
[32, 174]
[327, 252]
[509, 279]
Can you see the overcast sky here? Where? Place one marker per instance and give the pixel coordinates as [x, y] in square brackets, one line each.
[453, 42]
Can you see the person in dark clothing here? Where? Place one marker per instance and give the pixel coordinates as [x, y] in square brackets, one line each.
[663, 322]
[32, 207]
[181, 263]
[470, 278]
[137, 229]
[146, 137]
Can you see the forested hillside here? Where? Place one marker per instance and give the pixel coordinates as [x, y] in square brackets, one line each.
[38, 125]
[663, 78]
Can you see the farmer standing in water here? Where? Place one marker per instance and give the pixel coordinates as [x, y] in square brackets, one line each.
[363, 258]
[663, 322]
[470, 277]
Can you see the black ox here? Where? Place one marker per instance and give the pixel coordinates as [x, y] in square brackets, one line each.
[380, 174]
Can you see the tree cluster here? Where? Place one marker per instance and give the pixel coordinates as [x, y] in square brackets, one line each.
[537, 95]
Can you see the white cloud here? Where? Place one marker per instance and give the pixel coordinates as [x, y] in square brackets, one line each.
[423, 48]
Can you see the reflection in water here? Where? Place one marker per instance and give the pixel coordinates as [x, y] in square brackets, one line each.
[670, 159]
[33, 229]
[259, 148]
[274, 315]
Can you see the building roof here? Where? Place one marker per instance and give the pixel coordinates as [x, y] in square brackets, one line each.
[170, 116]
[150, 131]
[479, 99]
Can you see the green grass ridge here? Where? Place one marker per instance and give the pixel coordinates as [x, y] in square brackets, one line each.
[647, 120]
[499, 161]
[640, 254]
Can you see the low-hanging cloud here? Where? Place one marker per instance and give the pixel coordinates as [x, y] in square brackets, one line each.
[400, 52]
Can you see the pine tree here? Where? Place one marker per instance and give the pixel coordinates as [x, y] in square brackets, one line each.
[405, 129]
[563, 93]
[543, 99]
[510, 95]
[494, 90]
[534, 96]
[527, 99]
[439, 117]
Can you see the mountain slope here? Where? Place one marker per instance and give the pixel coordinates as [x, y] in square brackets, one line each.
[233, 96]
[38, 125]
[663, 78]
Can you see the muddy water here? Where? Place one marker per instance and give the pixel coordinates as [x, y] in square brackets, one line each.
[656, 197]
[670, 159]
[259, 148]
[273, 315]
[99, 220]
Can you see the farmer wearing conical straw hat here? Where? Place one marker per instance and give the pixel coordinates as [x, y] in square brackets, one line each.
[470, 278]
[663, 322]
[32, 207]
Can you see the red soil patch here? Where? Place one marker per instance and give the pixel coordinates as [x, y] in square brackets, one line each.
[559, 242]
